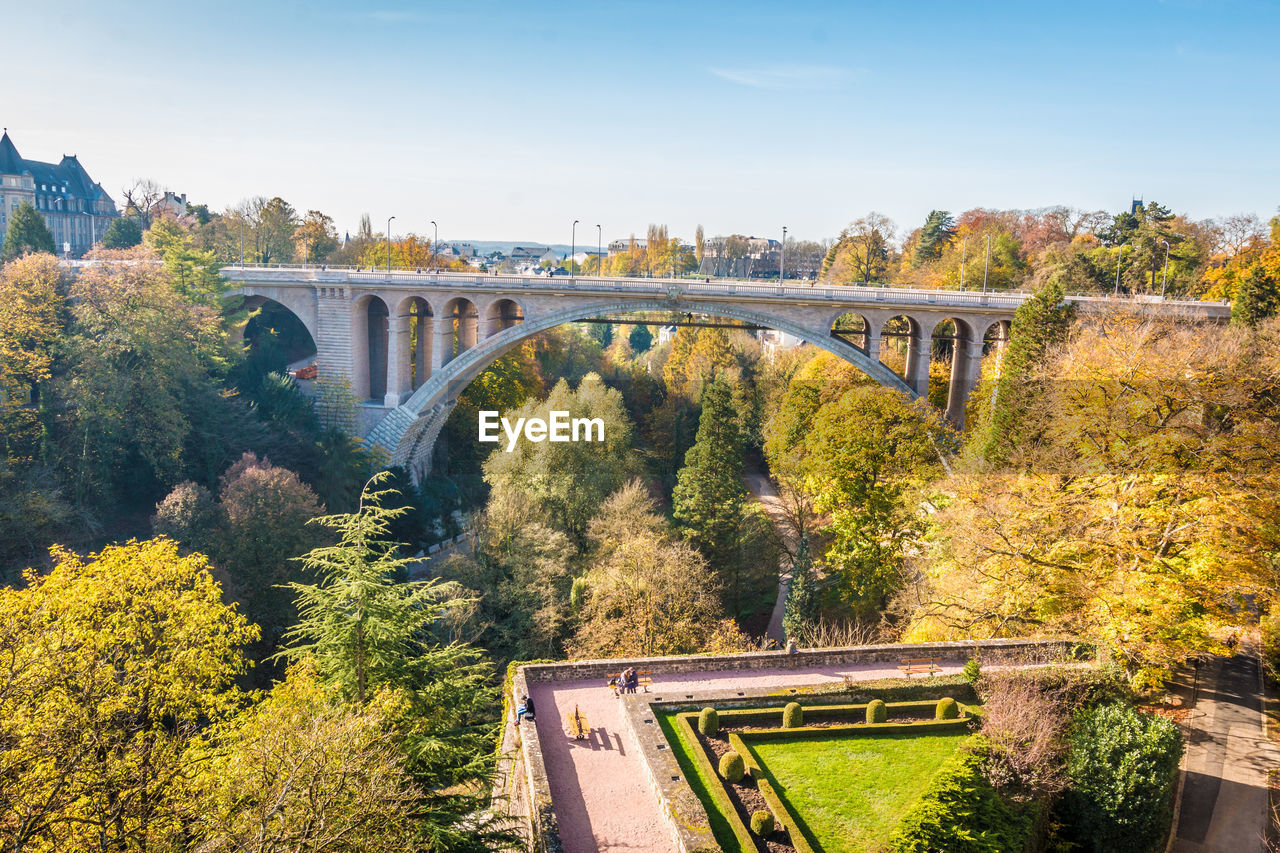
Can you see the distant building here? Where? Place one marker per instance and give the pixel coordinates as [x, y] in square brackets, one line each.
[737, 256]
[76, 209]
[617, 247]
[172, 205]
[534, 254]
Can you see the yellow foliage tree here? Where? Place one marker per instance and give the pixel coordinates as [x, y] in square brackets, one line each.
[113, 666]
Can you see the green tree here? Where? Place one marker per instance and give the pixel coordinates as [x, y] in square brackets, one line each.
[316, 237]
[865, 452]
[709, 499]
[1041, 323]
[936, 234]
[564, 483]
[193, 272]
[27, 233]
[366, 631]
[1257, 297]
[1123, 767]
[801, 606]
[640, 338]
[123, 233]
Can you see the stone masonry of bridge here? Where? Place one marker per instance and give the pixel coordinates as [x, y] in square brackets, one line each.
[410, 342]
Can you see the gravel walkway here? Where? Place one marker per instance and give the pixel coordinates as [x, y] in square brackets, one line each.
[599, 787]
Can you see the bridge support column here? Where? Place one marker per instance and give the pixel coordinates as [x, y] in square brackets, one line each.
[397, 359]
[422, 352]
[487, 327]
[441, 343]
[873, 345]
[966, 368]
[918, 349]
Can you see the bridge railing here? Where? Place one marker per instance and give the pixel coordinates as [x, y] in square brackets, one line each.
[716, 287]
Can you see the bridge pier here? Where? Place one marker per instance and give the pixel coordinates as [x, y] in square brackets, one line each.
[919, 347]
[966, 368]
[422, 349]
[398, 378]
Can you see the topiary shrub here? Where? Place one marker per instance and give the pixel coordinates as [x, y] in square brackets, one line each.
[792, 716]
[972, 670]
[708, 722]
[948, 709]
[762, 823]
[731, 767]
[877, 712]
[1122, 767]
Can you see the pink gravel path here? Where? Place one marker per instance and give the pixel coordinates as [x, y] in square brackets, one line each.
[599, 787]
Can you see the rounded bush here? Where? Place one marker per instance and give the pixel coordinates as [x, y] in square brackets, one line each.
[708, 721]
[762, 823]
[731, 767]
[947, 709]
[876, 712]
[792, 716]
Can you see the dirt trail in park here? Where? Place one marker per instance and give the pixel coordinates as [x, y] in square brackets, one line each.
[599, 787]
[762, 490]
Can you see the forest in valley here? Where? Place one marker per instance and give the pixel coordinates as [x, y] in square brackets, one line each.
[214, 602]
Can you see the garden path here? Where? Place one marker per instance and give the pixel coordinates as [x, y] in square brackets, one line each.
[599, 789]
[1224, 806]
[763, 491]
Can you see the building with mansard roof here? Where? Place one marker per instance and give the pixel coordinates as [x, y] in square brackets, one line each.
[75, 207]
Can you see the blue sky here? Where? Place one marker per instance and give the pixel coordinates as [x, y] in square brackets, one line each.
[510, 120]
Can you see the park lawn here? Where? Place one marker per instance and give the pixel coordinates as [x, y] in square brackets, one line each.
[850, 792]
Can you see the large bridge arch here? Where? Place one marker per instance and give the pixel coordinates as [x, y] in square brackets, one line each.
[409, 431]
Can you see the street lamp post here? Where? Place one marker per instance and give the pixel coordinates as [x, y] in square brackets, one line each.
[435, 246]
[1119, 260]
[573, 245]
[599, 251]
[241, 244]
[1164, 279]
[964, 252]
[782, 257]
[389, 218]
[986, 264]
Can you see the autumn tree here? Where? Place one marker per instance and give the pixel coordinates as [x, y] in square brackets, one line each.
[115, 664]
[646, 593]
[26, 233]
[316, 237]
[863, 251]
[304, 770]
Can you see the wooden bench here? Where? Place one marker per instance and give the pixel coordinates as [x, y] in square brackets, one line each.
[917, 666]
[644, 678]
[578, 725]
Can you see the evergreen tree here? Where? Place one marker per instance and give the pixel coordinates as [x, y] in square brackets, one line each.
[1257, 298]
[802, 594]
[366, 632]
[26, 233]
[1040, 323]
[709, 498]
[640, 339]
[939, 228]
[122, 233]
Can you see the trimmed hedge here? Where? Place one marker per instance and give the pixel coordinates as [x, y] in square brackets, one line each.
[947, 709]
[708, 721]
[877, 712]
[731, 767]
[792, 716]
[762, 823]
[961, 813]
[694, 752]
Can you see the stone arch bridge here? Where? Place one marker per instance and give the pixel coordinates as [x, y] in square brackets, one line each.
[410, 342]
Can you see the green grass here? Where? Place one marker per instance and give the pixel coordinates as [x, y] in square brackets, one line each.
[700, 783]
[851, 792]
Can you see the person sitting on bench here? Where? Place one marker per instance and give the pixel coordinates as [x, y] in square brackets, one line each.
[525, 710]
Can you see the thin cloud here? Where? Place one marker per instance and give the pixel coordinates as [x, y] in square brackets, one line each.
[779, 78]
